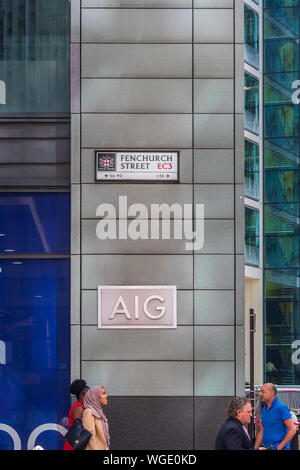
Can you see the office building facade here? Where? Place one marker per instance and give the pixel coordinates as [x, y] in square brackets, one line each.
[271, 188]
[87, 82]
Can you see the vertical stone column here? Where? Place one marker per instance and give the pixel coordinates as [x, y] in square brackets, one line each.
[162, 75]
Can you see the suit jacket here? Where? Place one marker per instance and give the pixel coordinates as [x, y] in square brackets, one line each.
[233, 437]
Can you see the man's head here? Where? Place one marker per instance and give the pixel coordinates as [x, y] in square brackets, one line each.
[240, 408]
[268, 392]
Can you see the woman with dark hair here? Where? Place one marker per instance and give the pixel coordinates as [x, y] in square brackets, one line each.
[94, 420]
[78, 388]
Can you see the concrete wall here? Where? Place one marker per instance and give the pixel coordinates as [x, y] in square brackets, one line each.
[161, 74]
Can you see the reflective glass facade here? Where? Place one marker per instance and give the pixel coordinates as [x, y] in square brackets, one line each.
[251, 236]
[34, 316]
[251, 37]
[281, 191]
[34, 223]
[34, 350]
[251, 117]
[34, 55]
[251, 169]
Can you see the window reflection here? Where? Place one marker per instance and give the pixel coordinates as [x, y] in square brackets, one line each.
[34, 55]
[251, 37]
[34, 326]
[251, 236]
[281, 191]
[251, 169]
[251, 91]
[34, 223]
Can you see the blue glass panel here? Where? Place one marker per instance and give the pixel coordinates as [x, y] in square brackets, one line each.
[251, 236]
[281, 186]
[251, 93]
[281, 120]
[251, 169]
[35, 223]
[34, 55]
[281, 251]
[251, 37]
[280, 3]
[34, 348]
[281, 55]
[281, 22]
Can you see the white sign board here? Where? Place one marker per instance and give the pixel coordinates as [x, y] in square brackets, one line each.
[137, 307]
[135, 166]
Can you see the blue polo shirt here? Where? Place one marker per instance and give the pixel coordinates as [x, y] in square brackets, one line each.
[273, 423]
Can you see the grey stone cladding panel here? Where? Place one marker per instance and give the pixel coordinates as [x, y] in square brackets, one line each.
[136, 95]
[130, 345]
[214, 378]
[141, 378]
[214, 307]
[147, 194]
[214, 26]
[214, 95]
[137, 270]
[214, 343]
[137, 3]
[214, 272]
[214, 166]
[218, 238]
[214, 130]
[148, 417]
[138, 131]
[214, 61]
[136, 25]
[214, 3]
[137, 60]
[218, 200]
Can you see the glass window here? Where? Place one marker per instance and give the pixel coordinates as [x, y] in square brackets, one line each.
[34, 223]
[282, 326]
[251, 37]
[34, 348]
[251, 236]
[34, 55]
[251, 88]
[281, 55]
[251, 169]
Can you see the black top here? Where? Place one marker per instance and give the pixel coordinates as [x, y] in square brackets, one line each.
[232, 436]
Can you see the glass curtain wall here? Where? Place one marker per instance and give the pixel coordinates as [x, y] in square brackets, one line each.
[251, 115]
[34, 228]
[34, 55]
[251, 170]
[251, 236]
[34, 316]
[281, 191]
[251, 37]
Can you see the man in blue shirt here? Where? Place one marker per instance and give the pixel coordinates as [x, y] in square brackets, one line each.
[277, 428]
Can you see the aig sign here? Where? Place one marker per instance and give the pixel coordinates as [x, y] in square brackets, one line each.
[137, 307]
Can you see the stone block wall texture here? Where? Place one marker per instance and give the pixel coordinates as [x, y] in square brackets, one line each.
[161, 75]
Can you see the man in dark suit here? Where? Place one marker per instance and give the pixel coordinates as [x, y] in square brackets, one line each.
[233, 434]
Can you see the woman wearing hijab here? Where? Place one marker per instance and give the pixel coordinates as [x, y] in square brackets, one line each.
[94, 420]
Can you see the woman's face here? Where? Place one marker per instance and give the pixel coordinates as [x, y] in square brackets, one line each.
[103, 397]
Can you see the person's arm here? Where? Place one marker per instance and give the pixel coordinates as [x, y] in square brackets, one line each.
[289, 435]
[259, 437]
[77, 412]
